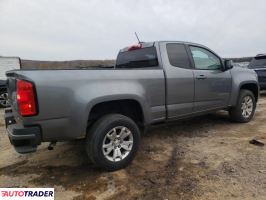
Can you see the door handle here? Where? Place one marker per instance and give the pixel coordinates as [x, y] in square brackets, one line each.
[201, 77]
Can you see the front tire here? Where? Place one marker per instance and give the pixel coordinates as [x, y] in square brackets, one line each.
[244, 111]
[112, 142]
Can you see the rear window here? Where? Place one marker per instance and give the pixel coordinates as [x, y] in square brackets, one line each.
[140, 58]
[177, 55]
[258, 63]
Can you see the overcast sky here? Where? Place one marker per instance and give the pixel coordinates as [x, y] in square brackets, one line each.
[93, 29]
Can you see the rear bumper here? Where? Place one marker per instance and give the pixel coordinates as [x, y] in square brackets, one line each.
[24, 139]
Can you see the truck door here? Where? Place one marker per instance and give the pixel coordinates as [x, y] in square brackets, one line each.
[179, 79]
[212, 83]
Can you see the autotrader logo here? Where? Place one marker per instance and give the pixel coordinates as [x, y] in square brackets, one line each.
[27, 193]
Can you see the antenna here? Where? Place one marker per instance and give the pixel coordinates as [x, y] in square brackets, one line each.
[137, 37]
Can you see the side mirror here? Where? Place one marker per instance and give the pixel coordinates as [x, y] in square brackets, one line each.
[228, 64]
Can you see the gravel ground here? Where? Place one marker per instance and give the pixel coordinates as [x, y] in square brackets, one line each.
[203, 158]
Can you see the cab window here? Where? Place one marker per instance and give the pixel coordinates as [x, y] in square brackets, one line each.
[177, 55]
[204, 59]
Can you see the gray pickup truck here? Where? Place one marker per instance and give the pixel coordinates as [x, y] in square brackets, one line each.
[151, 83]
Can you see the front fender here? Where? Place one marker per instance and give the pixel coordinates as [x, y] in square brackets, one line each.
[241, 77]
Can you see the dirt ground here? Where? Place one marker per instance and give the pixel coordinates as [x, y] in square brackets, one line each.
[203, 158]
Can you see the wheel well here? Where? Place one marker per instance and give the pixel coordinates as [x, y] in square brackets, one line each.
[253, 88]
[129, 108]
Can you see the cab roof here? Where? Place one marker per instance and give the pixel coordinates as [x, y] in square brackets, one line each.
[150, 44]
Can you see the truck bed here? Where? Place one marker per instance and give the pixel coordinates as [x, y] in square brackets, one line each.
[65, 97]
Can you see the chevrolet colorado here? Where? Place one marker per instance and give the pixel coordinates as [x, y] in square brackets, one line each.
[151, 83]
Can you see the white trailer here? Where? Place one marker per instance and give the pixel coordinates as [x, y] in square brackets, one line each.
[6, 64]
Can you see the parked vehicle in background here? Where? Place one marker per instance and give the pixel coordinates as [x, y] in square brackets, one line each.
[151, 83]
[6, 64]
[258, 63]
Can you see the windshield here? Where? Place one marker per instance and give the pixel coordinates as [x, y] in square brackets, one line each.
[258, 63]
[139, 58]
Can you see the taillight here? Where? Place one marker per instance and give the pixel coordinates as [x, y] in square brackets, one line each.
[26, 98]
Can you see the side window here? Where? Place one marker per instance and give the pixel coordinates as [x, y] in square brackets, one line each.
[177, 55]
[204, 59]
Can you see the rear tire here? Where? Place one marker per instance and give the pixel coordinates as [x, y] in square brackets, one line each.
[112, 142]
[244, 111]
